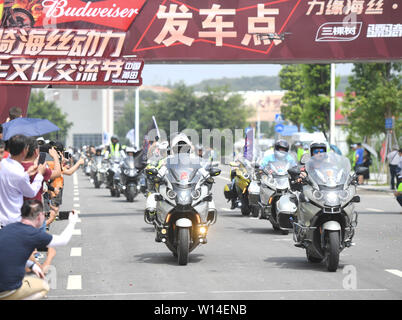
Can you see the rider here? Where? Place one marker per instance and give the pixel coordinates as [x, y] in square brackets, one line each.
[114, 148]
[281, 151]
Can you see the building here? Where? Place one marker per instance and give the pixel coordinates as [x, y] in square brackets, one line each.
[91, 111]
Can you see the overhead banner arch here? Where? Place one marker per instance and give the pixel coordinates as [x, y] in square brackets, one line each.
[106, 42]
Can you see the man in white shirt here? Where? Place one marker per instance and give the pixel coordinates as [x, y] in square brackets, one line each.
[393, 161]
[14, 181]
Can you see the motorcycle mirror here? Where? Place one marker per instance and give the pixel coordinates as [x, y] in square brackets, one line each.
[305, 157]
[214, 172]
[295, 171]
[355, 199]
[256, 165]
[151, 172]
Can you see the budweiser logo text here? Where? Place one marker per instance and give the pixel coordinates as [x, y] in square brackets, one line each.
[60, 8]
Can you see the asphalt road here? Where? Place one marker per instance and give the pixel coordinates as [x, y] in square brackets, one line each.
[113, 255]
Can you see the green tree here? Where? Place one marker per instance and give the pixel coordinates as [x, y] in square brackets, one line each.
[291, 80]
[374, 93]
[316, 111]
[38, 107]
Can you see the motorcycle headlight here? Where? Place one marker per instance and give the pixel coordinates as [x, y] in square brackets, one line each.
[318, 195]
[171, 194]
[126, 172]
[246, 176]
[196, 194]
[332, 197]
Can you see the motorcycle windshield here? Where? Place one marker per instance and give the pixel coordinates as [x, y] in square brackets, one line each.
[98, 160]
[129, 163]
[328, 170]
[280, 167]
[183, 170]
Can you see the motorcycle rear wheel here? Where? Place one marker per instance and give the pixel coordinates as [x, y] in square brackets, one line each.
[183, 246]
[245, 208]
[332, 251]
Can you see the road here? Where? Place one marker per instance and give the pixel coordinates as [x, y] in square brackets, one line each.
[113, 255]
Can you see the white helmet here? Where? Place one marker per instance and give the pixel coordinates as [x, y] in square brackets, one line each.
[181, 144]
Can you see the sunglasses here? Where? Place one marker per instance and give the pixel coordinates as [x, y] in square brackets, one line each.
[315, 151]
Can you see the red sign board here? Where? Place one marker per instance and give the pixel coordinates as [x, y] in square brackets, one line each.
[104, 42]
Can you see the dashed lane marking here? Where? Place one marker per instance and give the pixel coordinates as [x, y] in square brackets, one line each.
[76, 232]
[395, 272]
[374, 210]
[76, 252]
[74, 282]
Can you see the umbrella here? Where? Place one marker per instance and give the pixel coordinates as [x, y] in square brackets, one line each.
[370, 149]
[28, 126]
[336, 149]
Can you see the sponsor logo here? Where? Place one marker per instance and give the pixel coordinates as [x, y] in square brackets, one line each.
[111, 13]
[338, 31]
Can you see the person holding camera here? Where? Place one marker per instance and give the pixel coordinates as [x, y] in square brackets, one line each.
[14, 180]
[17, 241]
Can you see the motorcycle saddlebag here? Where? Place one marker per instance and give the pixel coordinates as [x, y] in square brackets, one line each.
[229, 192]
[253, 193]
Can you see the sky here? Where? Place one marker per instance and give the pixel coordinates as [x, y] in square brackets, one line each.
[163, 74]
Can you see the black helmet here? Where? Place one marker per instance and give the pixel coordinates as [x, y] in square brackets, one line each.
[318, 147]
[281, 144]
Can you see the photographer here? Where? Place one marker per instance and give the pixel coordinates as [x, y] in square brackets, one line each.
[57, 184]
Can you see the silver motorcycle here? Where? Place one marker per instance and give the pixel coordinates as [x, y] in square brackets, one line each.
[113, 176]
[326, 217]
[184, 204]
[98, 171]
[278, 203]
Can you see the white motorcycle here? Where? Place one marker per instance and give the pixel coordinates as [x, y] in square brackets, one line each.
[326, 218]
[183, 204]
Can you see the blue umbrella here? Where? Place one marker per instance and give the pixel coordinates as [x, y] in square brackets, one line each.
[28, 126]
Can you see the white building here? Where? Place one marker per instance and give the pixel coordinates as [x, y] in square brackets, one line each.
[89, 110]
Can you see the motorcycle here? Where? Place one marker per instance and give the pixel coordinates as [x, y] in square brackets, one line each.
[113, 176]
[278, 203]
[242, 173]
[326, 218]
[98, 171]
[130, 177]
[184, 205]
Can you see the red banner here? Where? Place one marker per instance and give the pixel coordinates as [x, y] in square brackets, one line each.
[81, 41]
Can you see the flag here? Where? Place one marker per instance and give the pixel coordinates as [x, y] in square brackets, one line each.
[248, 143]
[131, 136]
[152, 134]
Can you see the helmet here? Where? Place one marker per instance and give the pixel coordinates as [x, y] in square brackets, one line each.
[114, 137]
[181, 144]
[318, 147]
[131, 149]
[281, 144]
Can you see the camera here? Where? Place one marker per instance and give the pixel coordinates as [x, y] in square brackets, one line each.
[46, 147]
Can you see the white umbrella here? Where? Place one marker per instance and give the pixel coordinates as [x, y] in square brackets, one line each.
[370, 149]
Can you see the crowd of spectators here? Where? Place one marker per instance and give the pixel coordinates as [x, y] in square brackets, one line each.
[31, 189]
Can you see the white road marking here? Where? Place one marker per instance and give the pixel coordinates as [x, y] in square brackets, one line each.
[76, 199]
[299, 290]
[76, 252]
[375, 210]
[76, 232]
[75, 178]
[117, 294]
[395, 272]
[74, 282]
[77, 205]
[77, 211]
[227, 209]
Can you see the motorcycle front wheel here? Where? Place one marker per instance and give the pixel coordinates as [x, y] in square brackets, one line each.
[332, 251]
[183, 245]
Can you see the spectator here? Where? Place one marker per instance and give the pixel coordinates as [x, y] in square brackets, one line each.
[359, 158]
[366, 163]
[14, 181]
[393, 161]
[17, 241]
[58, 183]
[14, 113]
[32, 156]
[3, 153]
[1, 132]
